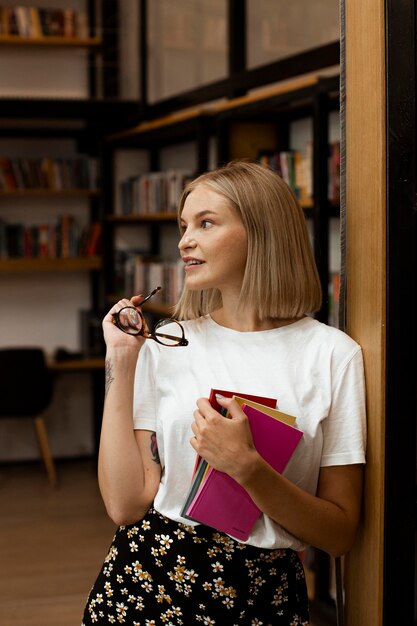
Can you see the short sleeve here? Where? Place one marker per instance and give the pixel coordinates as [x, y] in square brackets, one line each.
[344, 429]
[144, 398]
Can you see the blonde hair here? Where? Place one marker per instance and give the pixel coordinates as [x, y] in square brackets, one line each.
[281, 279]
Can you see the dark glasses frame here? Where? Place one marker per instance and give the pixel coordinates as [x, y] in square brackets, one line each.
[179, 341]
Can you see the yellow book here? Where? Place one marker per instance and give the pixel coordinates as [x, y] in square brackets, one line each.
[35, 22]
[283, 417]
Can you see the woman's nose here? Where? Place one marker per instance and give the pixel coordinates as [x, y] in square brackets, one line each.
[186, 241]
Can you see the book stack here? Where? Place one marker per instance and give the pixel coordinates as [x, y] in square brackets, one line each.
[216, 499]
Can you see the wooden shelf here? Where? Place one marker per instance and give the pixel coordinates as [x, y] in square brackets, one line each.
[149, 126]
[259, 95]
[155, 217]
[64, 193]
[33, 265]
[281, 89]
[63, 42]
[77, 364]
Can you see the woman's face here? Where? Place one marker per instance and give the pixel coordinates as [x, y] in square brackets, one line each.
[214, 242]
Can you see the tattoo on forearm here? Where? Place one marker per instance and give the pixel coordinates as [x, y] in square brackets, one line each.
[154, 449]
[108, 376]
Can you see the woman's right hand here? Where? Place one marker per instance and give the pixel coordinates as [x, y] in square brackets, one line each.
[116, 338]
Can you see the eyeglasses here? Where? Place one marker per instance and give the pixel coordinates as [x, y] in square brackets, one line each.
[131, 321]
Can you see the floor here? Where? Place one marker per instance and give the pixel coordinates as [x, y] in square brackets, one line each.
[52, 543]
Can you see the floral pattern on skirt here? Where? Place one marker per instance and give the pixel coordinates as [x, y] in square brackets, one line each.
[162, 573]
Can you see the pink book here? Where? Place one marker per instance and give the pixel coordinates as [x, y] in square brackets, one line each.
[220, 501]
[270, 402]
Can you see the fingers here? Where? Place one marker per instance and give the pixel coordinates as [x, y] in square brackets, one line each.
[195, 429]
[205, 409]
[116, 307]
[233, 409]
[136, 300]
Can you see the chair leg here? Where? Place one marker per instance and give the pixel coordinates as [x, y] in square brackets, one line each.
[45, 450]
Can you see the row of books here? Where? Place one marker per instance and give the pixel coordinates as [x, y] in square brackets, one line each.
[63, 239]
[48, 173]
[296, 168]
[37, 22]
[138, 272]
[153, 192]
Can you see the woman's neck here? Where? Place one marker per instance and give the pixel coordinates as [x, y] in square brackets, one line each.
[247, 321]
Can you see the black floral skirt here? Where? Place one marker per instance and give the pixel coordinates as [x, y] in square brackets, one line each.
[158, 572]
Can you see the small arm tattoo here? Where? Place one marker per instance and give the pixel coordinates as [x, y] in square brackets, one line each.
[108, 376]
[154, 449]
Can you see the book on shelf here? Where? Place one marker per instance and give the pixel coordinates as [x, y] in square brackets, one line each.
[48, 173]
[294, 166]
[42, 22]
[140, 272]
[7, 177]
[152, 193]
[64, 238]
[216, 499]
[92, 240]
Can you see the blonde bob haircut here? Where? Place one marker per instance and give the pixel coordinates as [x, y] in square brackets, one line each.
[281, 279]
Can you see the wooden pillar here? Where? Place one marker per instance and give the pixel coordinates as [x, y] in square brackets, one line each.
[366, 283]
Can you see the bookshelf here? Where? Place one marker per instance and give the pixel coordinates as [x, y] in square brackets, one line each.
[54, 42]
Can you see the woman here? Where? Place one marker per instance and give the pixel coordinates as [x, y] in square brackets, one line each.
[250, 283]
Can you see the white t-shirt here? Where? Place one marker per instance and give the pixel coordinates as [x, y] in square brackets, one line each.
[315, 372]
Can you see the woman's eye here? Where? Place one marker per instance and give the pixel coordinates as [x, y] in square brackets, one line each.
[206, 224]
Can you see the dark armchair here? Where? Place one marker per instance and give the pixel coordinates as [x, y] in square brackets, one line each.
[26, 386]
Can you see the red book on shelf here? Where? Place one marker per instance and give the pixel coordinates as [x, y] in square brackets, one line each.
[43, 245]
[93, 243]
[8, 176]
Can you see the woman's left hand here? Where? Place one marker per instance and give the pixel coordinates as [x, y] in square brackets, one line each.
[226, 444]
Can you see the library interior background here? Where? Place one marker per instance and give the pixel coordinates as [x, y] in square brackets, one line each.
[107, 109]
